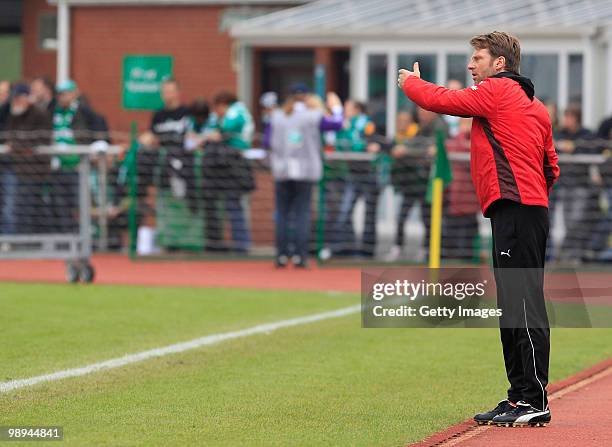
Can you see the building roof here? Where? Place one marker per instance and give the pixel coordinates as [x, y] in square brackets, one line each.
[176, 2]
[399, 18]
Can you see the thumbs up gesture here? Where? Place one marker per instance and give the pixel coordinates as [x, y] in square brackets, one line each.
[404, 74]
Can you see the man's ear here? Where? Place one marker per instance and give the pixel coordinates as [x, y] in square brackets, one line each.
[500, 63]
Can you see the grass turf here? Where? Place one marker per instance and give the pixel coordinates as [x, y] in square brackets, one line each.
[59, 326]
[326, 383]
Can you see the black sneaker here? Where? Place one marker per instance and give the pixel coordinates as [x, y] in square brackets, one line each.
[299, 262]
[486, 418]
[523, 415]
[281, 261]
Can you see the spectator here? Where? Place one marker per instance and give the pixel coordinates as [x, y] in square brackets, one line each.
[8, 180]
[553, 196]
[429, 123]
[268, 102]
[453, 121]
[553, 112]
[5, 96]
[227, 174]
[27, 127]
[5, 92]
[406, 126]
[605, 129]
[410, 174]
[600, 244]
[576, 190]
[43, 93]
[462, 206]
[360, 181]
[74, 123]
[161, 159]
[170, 124]
[165, 161]
[200, 112]
[296, 166]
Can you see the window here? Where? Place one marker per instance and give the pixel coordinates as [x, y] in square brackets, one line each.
[575, 79]
[47, 31]
[543, 70]
[377, 90]
[427, 66]
[456, 68]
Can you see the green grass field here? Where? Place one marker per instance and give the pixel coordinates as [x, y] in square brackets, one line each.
[326, 383]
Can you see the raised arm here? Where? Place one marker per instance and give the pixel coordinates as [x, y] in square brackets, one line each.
[333, 121]
[477, 100]
[336, 119]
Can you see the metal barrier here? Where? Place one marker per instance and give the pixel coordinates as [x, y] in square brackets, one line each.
[179, 201]
[52, 240]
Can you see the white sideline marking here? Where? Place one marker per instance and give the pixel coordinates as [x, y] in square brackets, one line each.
[176, 348]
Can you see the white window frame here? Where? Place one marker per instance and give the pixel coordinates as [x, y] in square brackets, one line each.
[443, 47]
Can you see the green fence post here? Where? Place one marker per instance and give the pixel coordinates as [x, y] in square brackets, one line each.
[132, 171]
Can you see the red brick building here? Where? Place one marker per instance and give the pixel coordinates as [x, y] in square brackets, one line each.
[99, 33]
[87, 40]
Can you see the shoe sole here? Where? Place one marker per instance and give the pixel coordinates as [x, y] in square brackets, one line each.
[520, 424]
[484, 422]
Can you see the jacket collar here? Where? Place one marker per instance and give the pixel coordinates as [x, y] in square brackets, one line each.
[524, 82]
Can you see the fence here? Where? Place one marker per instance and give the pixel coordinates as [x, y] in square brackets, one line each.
[356, 207]
[174, 202]
[45, 204]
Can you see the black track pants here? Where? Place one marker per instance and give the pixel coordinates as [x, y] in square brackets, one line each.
[519, 249]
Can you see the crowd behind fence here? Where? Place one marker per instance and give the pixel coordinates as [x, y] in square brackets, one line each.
[187, 203]
[200, 180]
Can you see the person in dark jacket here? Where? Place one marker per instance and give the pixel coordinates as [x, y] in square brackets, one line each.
[170, 127]
[360, 180]
[601, 250]
[605, 129]
[514, 166]
[409, 175]
[173, 121]
[576, 190]
[227, 176]
[8, 180]
[460, 218]
[5, 105]
[43, 93]
[74, 123]
[27, 127]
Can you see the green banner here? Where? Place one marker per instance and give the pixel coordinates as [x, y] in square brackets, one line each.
[441, 168]
[142, 77]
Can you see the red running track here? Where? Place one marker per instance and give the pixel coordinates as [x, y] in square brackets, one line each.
[581, 409]
[592, 287]
[117, 269]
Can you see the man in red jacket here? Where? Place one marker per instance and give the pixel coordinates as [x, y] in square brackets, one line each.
[513, 165]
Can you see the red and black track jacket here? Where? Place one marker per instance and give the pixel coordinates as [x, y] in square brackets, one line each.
[512, 152]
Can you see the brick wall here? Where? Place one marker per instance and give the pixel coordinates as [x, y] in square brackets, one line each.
[36, 61]
[101, 36]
